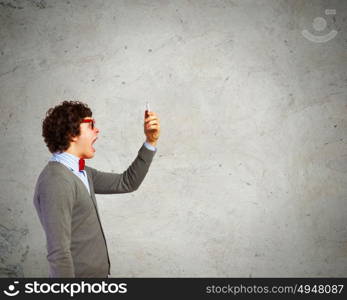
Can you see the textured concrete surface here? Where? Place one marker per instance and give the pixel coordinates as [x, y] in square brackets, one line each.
[250, 178]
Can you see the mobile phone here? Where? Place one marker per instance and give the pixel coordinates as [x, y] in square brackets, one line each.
[147, 110]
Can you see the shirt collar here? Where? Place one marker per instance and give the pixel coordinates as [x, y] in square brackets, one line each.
[69, 160]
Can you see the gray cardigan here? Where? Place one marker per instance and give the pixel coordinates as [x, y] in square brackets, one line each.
[76, 242]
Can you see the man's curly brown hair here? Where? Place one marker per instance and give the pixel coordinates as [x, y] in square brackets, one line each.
[62, 122]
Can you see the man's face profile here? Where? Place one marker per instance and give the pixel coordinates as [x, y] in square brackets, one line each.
[82, 145]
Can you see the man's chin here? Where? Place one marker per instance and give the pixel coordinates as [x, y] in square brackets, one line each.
[89, 155]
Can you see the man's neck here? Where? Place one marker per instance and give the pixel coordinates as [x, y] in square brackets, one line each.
[71, 151]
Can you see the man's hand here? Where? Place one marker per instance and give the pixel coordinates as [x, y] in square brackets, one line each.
[152, 128]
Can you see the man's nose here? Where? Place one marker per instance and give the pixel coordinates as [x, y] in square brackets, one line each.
[97, 130]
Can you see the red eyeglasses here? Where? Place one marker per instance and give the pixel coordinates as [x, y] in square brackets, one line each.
[89, 121]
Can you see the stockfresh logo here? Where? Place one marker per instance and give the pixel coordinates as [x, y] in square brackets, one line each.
[12, 290]
[320, 24]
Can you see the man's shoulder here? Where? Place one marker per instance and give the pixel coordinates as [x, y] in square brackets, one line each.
[54, 182]
[54, 168]
[55, 173]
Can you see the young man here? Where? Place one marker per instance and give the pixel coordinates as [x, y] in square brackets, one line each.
[65, 190]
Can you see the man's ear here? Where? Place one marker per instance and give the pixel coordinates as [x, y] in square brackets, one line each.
[73, 138]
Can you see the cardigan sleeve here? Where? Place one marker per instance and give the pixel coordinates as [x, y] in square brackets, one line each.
[126, 182]
[54, 207]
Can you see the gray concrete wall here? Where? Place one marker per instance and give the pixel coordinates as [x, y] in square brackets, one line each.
[250, 174]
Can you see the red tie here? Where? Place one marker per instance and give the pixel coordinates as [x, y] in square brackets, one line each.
[81, 164]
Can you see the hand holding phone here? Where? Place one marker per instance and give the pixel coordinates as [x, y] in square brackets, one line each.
[151, 126]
